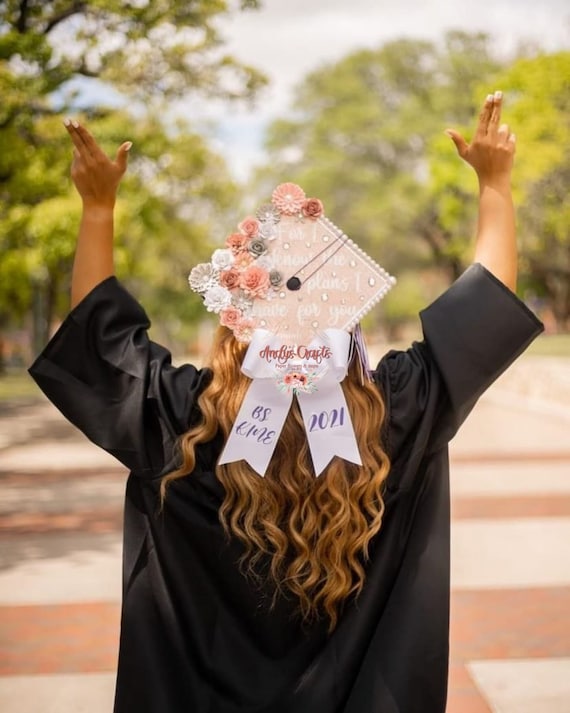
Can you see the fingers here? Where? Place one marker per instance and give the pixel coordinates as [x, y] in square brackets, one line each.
[74, 135]
[86, 148]
[485, 116]
[490, 115]
[460, 144]
[503, 134]
[83, 140]
[495, 117]
[122, 155]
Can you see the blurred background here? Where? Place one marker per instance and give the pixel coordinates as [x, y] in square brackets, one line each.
[223, 100]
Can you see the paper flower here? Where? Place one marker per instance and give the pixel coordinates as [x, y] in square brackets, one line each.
[230, 316]
[257, 247]
[242, 302]
[275, 278]
[230, 278]
[288, 198]
[244, 329]
[254, 281]
[243, 260]
[249, 226]
[217, 298]
[237, 242]
[295, 379]
[312, 208]
[264, 261]
[268, 213]
[203, 277]
[268, 231]
[222, 259]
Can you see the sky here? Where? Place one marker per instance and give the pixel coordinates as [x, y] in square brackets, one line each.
[289, 38]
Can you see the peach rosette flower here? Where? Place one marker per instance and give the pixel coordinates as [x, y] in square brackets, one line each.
[288, 198]
[254, 281]
[312, 208]
[244, 329]
[237, 242]
[230, 278]
[242, 261]
[295, 379]
[249, 226]
[230, 317]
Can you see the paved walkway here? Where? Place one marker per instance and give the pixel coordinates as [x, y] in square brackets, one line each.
[60, 555]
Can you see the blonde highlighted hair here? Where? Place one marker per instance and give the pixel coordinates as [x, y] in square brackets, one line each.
[315, 531]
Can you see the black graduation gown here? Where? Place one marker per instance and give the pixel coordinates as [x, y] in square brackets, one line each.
[196, 637]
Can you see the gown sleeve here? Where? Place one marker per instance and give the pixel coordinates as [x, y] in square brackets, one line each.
[472, 334]
[119, 388]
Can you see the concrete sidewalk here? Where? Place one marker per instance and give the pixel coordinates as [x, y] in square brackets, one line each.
[61, 508]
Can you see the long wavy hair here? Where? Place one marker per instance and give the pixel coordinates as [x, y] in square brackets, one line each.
[315, 531]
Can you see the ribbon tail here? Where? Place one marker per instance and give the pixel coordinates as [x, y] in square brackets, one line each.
[257, 426]
[329, 427]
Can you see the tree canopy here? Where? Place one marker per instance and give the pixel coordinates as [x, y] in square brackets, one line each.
[366, 135]
[177, 191]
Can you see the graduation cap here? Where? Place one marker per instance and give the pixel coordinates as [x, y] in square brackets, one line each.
[293, 286]
[289, 270]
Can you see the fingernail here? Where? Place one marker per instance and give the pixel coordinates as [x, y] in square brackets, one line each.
[489, 98]
[66, 122]
[498, 95]
[75, 124]
[128, 145]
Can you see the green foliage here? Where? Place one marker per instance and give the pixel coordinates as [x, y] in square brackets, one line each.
[144, 49]
[367, 136]
[177, 192]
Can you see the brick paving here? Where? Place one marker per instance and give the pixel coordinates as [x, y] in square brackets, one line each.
[82, 637]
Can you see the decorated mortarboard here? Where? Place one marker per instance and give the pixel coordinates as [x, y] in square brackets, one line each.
[293, 286]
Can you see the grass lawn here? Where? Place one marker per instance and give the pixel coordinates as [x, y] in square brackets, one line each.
[556, 345]
[18, 385]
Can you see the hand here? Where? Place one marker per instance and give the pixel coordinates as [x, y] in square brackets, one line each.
[94, 174]
[492, 150]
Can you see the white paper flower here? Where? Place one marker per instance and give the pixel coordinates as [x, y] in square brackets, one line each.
[268, 213]
[264, 261]
[203, 277]
[222, 259]
[242, 302]
[268, 230]
[217, 298]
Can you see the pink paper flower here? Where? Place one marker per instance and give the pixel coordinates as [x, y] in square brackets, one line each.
[230, 317]
[312, 208]
[243, 330]
[243, 260]
[288, 198]
[254, 281]
[237, 242]
[230, 278]
[295, 379]
[249, 226]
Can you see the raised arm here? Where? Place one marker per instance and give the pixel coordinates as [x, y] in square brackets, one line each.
[97, 179]
[491, 154]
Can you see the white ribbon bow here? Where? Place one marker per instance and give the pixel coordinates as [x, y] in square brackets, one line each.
[260, 419]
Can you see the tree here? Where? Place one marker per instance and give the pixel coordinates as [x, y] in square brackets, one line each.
[146, 53]
[540, 91]
[367, 136]
[143, 49]
[537, 106]
[359, 140]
